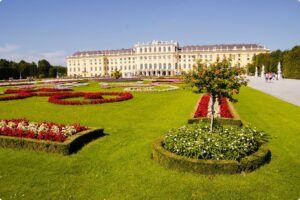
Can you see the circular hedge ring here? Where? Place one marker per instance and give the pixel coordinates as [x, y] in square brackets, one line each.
[182, 163]
[91, 98]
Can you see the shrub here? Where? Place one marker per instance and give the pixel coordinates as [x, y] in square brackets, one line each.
[197, 141]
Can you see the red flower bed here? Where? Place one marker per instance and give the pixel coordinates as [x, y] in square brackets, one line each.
[19, 95]
[42, 131]
[59, 98]
[93, 95]
[224, 108]
[202, 107]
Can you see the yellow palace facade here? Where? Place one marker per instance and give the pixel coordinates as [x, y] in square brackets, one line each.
[157, 58]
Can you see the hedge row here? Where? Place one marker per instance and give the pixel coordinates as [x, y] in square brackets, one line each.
[71, 145]
[174, 161]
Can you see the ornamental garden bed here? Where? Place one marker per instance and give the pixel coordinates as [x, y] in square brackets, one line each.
[226, 114]
[194, 148]
[46, 136]
[59, 96]
[156, 88]
[182, 163]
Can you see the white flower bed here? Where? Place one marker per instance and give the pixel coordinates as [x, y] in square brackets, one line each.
[152, 89]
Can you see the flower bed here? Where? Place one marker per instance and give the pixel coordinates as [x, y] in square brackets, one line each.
[152, 89]
[202, 107]
[224, 150]
[43, 131]
[58, 96]
[225, 114]
[224, 108]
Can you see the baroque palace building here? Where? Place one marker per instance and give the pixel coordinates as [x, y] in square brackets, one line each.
[157, 58]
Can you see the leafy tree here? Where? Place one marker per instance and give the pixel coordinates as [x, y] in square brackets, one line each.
[291, 63]
[52, 72]
[43, 68]
[116, 74]
[218, 79]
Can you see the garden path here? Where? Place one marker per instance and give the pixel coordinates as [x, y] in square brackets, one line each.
[285, 89]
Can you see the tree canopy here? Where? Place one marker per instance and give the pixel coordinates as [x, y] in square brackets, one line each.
[290, 62]
[218, 79]
[11, 69]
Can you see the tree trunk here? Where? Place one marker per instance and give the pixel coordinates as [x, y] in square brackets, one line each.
[212, 112]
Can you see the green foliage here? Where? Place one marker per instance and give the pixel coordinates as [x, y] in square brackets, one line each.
[219, 80]
[43, 67]
[10, 69]
[186, 164]
[291, 63]
[197, 141]
[116, 74]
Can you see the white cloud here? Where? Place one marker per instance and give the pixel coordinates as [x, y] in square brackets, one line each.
[9, 48]
[55, 57]
[16, 53]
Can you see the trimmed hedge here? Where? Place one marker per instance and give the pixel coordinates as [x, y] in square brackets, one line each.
[236, 120]
[71, 145]
[182, 163]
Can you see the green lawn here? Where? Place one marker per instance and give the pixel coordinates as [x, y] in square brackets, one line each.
[119, 165]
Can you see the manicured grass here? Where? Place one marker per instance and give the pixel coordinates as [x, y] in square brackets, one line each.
[119, 165]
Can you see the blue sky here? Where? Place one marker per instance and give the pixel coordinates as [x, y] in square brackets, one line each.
[54, 29]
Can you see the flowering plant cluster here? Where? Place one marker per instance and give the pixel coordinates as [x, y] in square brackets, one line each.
[197, 141]
[204, 110]
[95, 98]
[161, 88]
[202, 107]
[57, 96]
[42, 131]
[25, 93]
[224, 108]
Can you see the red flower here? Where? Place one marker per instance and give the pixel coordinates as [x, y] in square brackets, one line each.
[202, 107]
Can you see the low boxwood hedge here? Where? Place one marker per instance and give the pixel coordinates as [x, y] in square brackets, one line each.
[71, 145]
[182, 163]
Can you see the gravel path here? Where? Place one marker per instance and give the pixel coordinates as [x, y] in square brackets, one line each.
[285, 89]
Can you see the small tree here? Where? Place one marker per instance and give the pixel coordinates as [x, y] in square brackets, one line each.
[218, 79]
[116, 74]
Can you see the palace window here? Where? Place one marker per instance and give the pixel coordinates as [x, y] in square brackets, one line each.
[159, 49]
[155, 66]
[141, 66]
[149, 49]
[159, 65]
[141, 50]
[169, 49]
[150, 66]
[164, 49]
[154, 49]
[145, 50]
[165, 65]
[146, 66]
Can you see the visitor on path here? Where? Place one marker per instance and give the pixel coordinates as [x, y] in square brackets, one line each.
[266, 76]
[270, 76]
